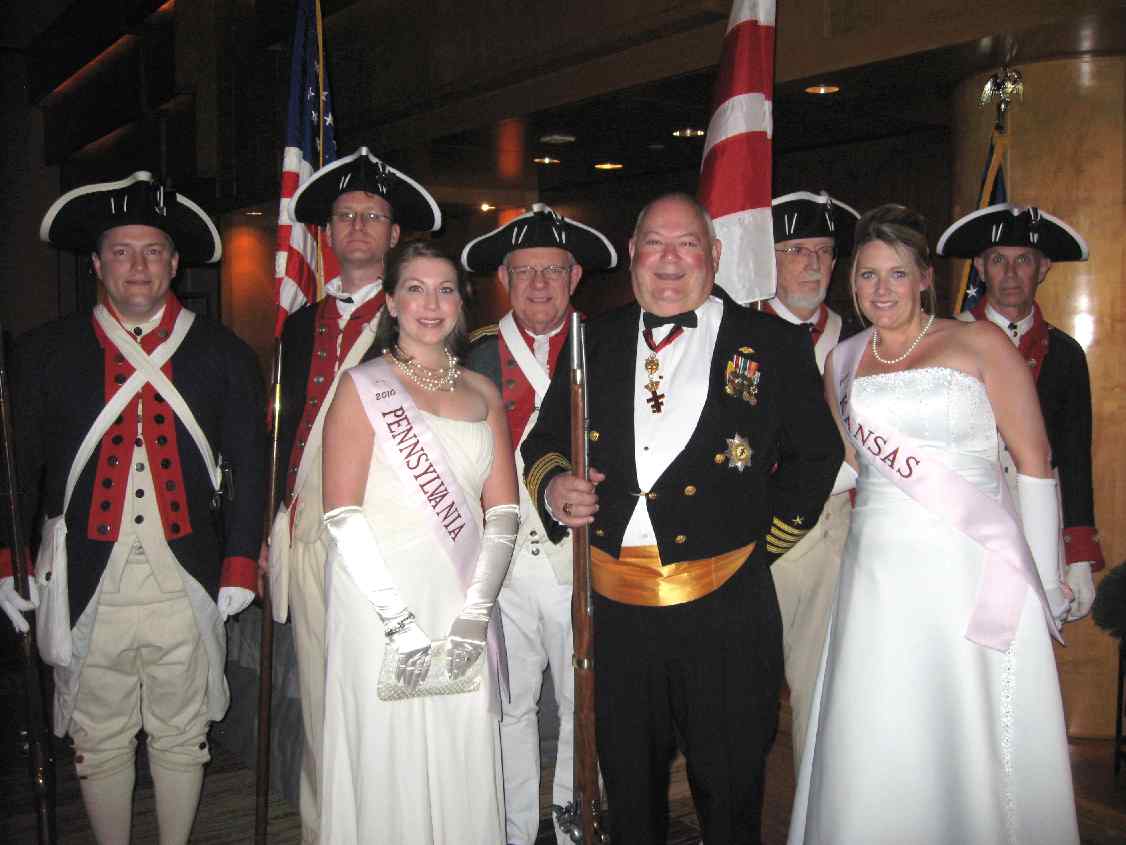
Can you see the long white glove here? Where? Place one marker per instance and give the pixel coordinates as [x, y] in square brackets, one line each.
[11, 602]
[1040, 515]
[846, 479]
[467, 634]
[1082, 584]
[233, 600]
[353, 546]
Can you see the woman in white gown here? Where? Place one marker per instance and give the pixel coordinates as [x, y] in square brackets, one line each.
[414, 446]
[937, 716]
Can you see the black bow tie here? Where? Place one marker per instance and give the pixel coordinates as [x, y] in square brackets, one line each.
[652, 321]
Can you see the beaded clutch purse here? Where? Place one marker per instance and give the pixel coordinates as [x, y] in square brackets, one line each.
[437, 681]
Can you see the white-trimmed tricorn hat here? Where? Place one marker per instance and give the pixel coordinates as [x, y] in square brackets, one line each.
[78, 218]
[411, 204]
[804, 214]
[1006, 224]
[540, 227]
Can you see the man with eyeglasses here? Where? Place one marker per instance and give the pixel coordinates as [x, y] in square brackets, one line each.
[1013, 248]
[810, 232]
[364, 204]
[539, 258]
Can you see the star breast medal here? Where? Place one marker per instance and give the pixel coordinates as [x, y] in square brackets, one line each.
[741, 376]
[739, 452]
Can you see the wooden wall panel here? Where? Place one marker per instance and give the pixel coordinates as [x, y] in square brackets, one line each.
[1067, 153]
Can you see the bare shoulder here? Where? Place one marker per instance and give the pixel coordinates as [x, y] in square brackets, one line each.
[482, 385]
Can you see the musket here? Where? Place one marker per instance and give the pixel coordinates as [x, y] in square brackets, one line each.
[266, 644]
[41, 765]
[582, 821]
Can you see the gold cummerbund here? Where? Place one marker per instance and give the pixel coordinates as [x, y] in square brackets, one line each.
[637, 577]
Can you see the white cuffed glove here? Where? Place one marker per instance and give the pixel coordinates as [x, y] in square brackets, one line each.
[232, 601]
[353, 546]
[12, 603]
[1082, 584]
[1040, 516]
[468, 632]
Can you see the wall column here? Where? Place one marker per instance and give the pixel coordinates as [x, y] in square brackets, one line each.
[1067, 148]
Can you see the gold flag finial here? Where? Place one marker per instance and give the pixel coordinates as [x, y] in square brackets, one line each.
[1003, 87]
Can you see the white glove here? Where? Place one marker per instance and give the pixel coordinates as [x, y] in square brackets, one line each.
[1082, 585]
[232, 601]
[1040, 516]
[11, 602]
[468, 632]
[354, 548]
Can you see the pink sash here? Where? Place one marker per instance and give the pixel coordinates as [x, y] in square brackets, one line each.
[420, 462]
[1008, 569]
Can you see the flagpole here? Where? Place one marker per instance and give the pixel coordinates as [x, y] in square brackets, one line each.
[998, 144]
[320, 271]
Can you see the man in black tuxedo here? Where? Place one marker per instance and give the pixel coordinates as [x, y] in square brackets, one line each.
[693, 401]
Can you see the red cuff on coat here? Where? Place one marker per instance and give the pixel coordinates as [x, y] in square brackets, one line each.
[6, 563]
[240, 572]
[1081, 543]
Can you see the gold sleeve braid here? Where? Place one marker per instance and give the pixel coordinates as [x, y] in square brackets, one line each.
[534, 477]
[783, 536]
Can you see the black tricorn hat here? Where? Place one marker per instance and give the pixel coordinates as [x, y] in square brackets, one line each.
[411, 204]
[803, 214]
[540, 227]
[78, 218]
[1006, 224]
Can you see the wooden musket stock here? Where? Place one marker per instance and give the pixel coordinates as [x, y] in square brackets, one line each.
[40, 761]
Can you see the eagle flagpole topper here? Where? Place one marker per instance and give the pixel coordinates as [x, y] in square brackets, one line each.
[735, 175]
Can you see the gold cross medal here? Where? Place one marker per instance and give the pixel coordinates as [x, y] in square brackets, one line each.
[742, 375]
[739, 452]
[655, 398]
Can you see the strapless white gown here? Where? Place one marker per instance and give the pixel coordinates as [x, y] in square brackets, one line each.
[917, 735]
[424, 771]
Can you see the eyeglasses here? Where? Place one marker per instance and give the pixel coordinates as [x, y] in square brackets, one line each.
[365, 217]
[822, 253]
[550, 273]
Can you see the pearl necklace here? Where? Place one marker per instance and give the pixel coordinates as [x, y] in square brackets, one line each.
[910, 349]
[429, 378]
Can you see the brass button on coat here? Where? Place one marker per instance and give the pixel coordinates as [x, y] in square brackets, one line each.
[681, 539]
[690, 490]
[719, 457]
[594, 435]
[650, 496]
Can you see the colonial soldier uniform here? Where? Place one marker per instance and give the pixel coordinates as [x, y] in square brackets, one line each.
[805, 577]
[687, 631]
[535, 601]
[1058, 365]
[319, 342]
[131, 428]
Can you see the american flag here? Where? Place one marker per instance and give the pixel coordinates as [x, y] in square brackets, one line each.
[992, 192]
[310, 143]
[735, 178]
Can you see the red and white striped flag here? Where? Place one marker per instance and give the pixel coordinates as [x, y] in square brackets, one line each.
[735, 177]
[310, 143]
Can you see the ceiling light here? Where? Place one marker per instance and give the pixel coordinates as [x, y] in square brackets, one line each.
[609, 165]
[253, 213]
[546, 160]
[487, 207]
[823, 88]
[688, 132]
[557, 138]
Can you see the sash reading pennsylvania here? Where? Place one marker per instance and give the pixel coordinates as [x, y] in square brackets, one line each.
[423, 471]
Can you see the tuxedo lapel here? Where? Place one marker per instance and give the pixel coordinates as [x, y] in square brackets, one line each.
[615, 374]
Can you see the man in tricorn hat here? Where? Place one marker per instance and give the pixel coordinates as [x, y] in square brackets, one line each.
[364, 204]
[811, 231]
[538, 258]
[1013, 249]
[142, 422]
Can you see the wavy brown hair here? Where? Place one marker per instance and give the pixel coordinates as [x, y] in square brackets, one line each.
[905, 231]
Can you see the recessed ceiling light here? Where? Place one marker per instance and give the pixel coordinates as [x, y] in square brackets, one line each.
[253, 213]
[688, 132]
[823, 88]
[609, 165]
[545, 160]
[557, 138]
[487, 207]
